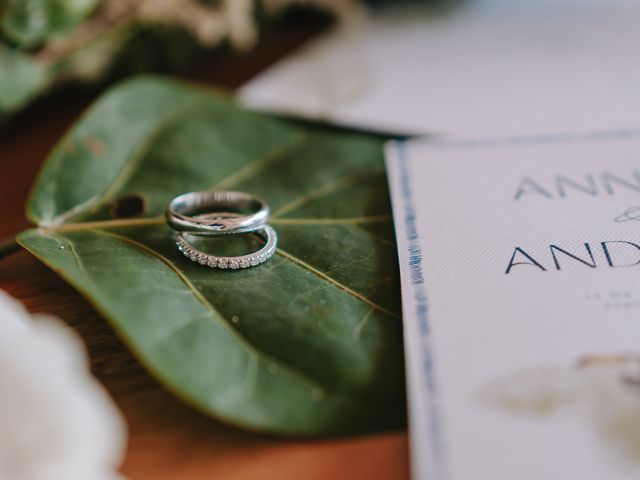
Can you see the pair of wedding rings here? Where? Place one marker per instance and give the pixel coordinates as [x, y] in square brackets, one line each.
[210, 214]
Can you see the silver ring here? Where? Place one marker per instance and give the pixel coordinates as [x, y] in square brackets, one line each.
[241, 261]
[216, 213]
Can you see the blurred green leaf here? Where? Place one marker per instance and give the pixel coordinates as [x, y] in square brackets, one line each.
[21, 79]
[28, 23]
[308, 343]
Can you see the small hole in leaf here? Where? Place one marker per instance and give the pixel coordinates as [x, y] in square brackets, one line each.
[128, 206]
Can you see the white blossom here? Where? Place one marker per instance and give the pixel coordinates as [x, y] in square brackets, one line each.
[56, 421]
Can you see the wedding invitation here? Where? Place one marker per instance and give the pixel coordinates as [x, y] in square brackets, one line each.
[520, 265]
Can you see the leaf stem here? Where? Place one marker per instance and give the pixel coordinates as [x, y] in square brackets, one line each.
[152, 221]
[128, 222]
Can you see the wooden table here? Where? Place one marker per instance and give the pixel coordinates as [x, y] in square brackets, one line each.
[167, 440]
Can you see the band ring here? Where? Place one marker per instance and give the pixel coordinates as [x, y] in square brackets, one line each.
[216, 213]
[242, 261]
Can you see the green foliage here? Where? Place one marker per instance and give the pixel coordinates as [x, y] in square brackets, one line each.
[308, 343]
[20, 80]
[29, 23]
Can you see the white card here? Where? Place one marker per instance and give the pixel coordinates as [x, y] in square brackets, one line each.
[520, 267]
[496, 67]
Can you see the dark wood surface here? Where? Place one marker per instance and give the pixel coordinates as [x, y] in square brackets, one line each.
[167, 440]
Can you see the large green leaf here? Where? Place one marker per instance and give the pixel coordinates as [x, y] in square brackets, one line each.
[308, 343]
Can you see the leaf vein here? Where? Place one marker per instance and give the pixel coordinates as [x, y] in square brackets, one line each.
[319, 192]
[331, 221]
[155, 221]
[335, 283]
[361, 324]
[76, 258]
[249, 170]
[166, 333]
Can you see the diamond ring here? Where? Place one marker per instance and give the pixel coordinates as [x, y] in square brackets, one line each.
[242, 261]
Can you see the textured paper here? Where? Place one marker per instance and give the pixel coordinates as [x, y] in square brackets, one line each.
[521, 365]
[486, 67]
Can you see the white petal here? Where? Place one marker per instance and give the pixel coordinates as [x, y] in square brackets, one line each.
[57, 421]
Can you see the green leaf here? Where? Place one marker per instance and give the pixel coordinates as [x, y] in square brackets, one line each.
[21, 80]
[308, 343]
[29, 23]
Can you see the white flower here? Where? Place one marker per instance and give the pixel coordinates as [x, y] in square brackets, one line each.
[604, 388]
[56, 420]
